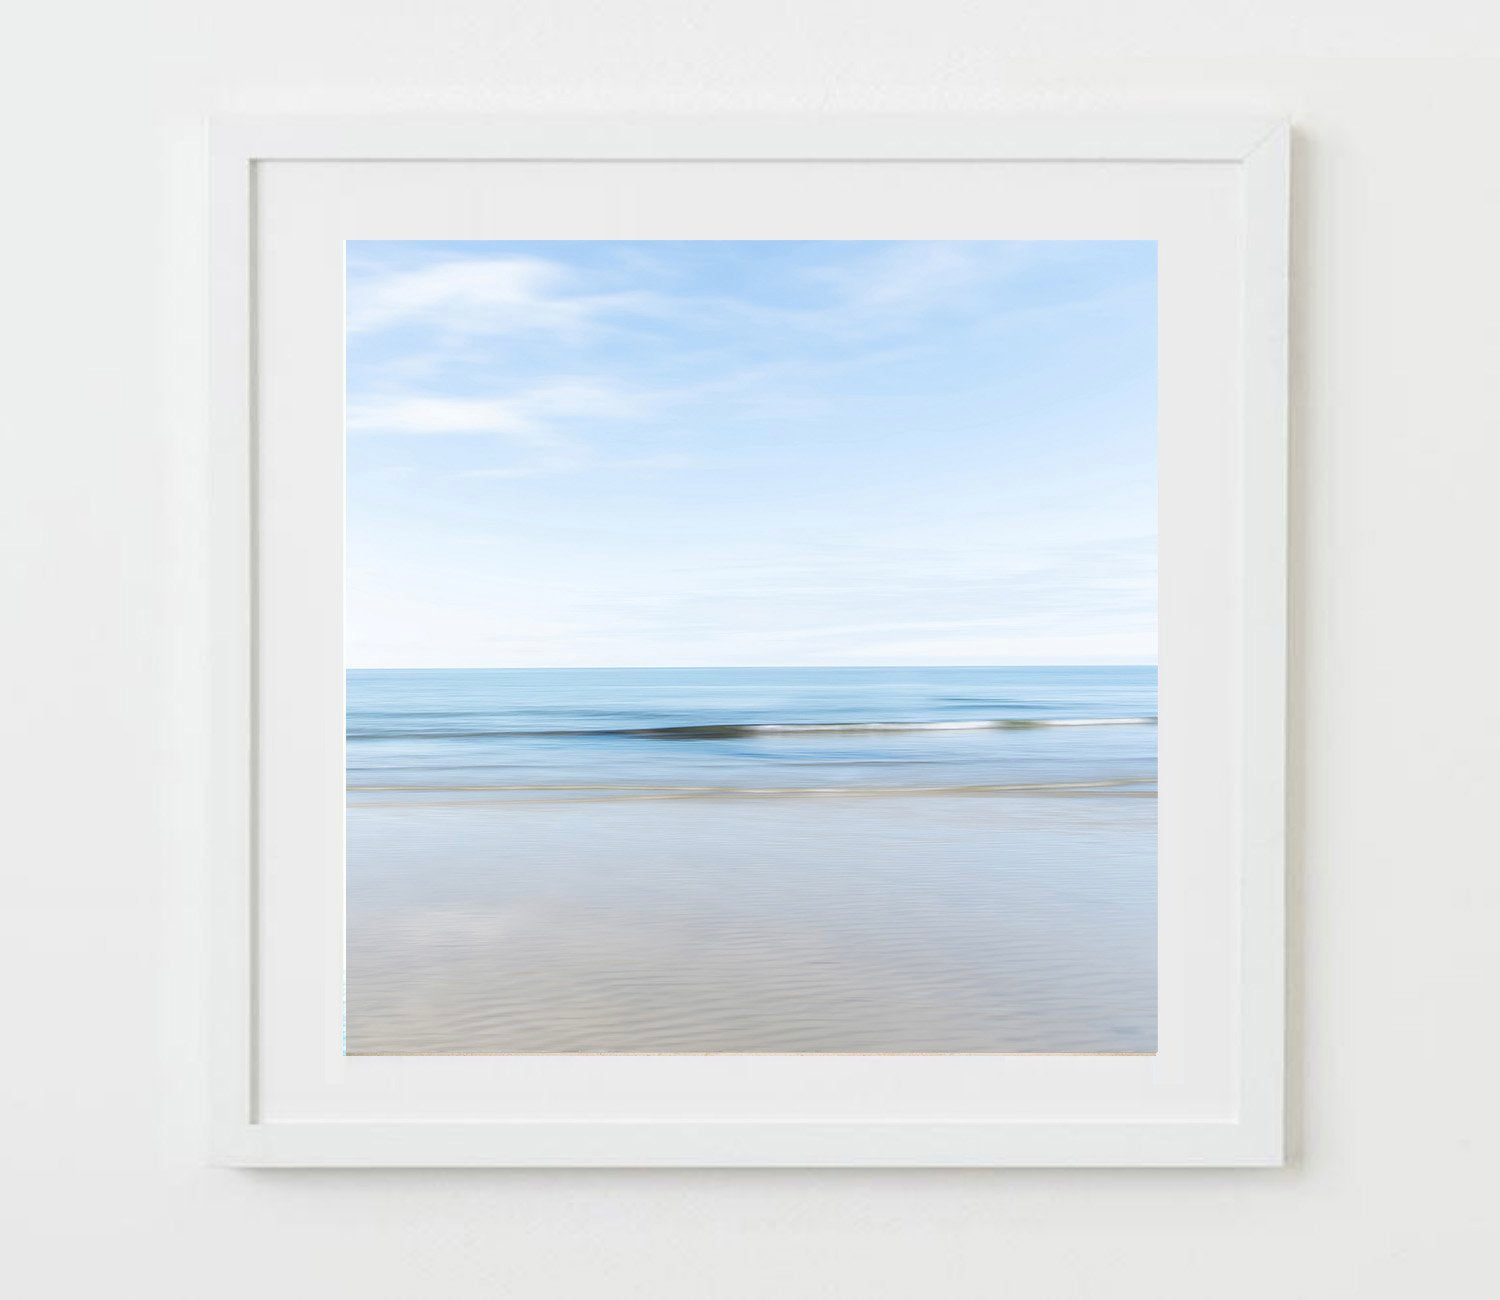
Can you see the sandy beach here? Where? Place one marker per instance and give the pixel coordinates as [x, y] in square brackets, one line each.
[916, 923]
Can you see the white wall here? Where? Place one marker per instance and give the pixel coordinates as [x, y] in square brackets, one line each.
[1396, 731]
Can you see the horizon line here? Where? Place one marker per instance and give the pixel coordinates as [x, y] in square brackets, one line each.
[663, 668]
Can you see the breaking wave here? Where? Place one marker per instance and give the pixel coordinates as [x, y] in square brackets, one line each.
[749, 730]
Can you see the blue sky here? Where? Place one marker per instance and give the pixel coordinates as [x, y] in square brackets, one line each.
[707, 453]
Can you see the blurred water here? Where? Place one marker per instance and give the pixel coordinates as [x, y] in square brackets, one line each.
[564, 733]
[738, 861]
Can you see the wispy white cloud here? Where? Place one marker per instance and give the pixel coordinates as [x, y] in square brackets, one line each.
[409, 415]
[531, 426]
[480, 296]
[903, 276]
[530, 411]
[532, 446]
[885, 289]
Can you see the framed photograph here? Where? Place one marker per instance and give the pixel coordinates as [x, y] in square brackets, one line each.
[749, 641]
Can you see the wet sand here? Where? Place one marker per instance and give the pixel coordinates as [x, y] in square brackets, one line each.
[804, 924]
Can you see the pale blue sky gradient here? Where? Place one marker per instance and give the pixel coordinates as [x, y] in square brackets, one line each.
[668, 454]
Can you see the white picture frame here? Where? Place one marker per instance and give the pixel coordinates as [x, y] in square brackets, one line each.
[284, 190]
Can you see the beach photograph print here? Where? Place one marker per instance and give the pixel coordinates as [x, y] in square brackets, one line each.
[751, 647]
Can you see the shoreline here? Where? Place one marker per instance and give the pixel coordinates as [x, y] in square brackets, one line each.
[568, 794]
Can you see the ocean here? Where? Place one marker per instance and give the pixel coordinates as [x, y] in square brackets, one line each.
[751, 860]
[681, 732]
